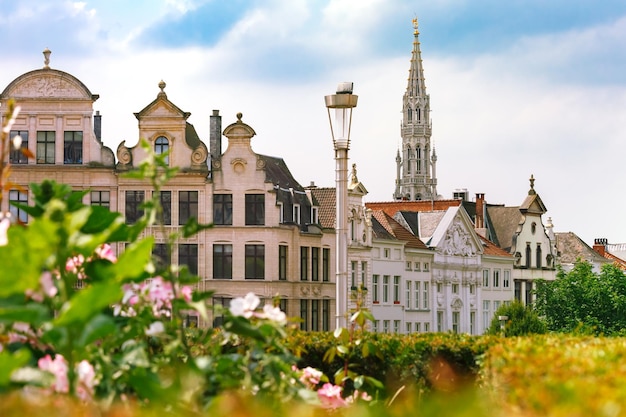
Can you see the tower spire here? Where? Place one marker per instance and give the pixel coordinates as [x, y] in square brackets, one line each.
[416, 179]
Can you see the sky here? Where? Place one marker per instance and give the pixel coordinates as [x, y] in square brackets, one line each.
[517, 87]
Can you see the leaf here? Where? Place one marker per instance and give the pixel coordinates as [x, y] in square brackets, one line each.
[9, 362]
[99, 327]
[89, 302]
[33, 313]
[192, 227]
[132, 262]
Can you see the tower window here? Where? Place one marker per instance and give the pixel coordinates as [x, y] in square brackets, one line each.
[161, 146]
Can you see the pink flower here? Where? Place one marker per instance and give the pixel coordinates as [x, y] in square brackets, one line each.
[4, 228]
[58, 368]
[187, 292]
[47, 284]
[330, 396]
[105, 251]
[311, 377]
[86, 380]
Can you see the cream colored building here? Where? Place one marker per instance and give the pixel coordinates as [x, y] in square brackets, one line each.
[266, 236]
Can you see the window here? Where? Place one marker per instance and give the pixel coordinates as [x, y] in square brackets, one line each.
[222, 261]
[528, 255]
[439, 288]
[255, 262]
[218, 320]
[416, 266]
[529, 293]
[223, 209]
[315, 315]
[456, 320]
[440, 321]
[255, 209]
[396, 289]
[386, 253]
[17, 155]
[455, 288]
[134, 201]
[506, 279]
[363, 274]
[408, 265]
[162, 146]
[187, 206]
[325, 264]
[426, 266]
[315, 264]
[282, 263]
[485, 278]
[188, 255]
[296, 213]
[385, 326]
[539, 263]
[496, 306]
[16, 196]
[426, 327]
[304, 314]
[417, 295]
[325, 315]
[472, 322]
[486, 315]
[409, 327]
[408, 295]
[165, 217]
[304, 263]
[73, 148]
[425, 298]
[376, 325]
[353, 266]
[375, 297]
[385, 288]
[417, 327]
[496, 278]
[315, 215]
[45, 147]
[101, 198]
[396, 326]
[518, 291]
[160, 253]
[282, 304]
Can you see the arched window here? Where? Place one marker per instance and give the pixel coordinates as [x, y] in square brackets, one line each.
[161, 146]
[538, 255]
[409, 115]
[528, 255]
[419, 115]
[418, 152]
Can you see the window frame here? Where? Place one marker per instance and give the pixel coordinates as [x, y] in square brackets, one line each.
[254, 261]
[45, 153]
[133, 207]
[188, 255]
[222, 261]
[187, 207]
[223, 209]
[17, 156]
[255, 210]
[73, 147]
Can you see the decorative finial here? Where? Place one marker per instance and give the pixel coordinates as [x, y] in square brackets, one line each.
[239, 116]
[416, 32]
[46, 60]
[532, 185]
[162, 87]
[354, 178]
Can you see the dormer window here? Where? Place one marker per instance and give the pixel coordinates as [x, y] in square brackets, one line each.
[161, 146]
[296, 213]
[315, 215]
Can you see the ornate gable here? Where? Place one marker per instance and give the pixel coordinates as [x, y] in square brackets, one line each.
[47, 84]
[455, 235]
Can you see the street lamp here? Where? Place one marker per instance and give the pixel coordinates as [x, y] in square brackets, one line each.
[342, 103]
[502, 320]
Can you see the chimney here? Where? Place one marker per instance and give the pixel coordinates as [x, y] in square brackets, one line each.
[479, 221]
[215, 135]
[97, 125]
[599, 245]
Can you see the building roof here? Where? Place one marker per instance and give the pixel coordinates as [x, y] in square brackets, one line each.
[392, 207]
[326, 198]
[490, 248]
[386, 227]
[570, 248]
[505, 221]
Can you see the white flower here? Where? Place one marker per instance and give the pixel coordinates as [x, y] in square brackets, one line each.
[17, 142]
[244, 306]
[4, 227]
[155, 329]
[274, 314]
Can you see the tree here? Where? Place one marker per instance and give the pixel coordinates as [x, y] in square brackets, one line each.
[522, 320]
[584, 301]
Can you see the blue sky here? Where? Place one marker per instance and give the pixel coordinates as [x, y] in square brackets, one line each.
[517, 87]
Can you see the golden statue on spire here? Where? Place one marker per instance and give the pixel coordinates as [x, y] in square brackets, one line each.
[415, 26]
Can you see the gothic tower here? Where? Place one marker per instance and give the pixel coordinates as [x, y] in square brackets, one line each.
[416, 162]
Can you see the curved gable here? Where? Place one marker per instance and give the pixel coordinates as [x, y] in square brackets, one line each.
[47, 83]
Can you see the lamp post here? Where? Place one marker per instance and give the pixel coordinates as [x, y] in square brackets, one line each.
[342, 103]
